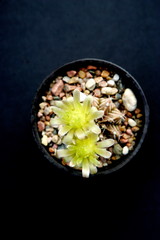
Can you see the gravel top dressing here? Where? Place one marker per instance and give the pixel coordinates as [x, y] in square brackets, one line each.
[88, 119]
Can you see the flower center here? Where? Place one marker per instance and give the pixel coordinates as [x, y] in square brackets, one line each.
[84, 147]
[75, 118]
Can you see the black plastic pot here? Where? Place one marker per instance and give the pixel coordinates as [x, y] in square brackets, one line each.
[128, 81]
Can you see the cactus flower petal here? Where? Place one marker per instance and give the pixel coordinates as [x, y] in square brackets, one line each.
[103, 153]
[106, 143]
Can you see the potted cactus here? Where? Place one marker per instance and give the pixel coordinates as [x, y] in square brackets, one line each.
[90, 116]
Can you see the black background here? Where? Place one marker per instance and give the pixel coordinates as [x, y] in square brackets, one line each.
[39, 36]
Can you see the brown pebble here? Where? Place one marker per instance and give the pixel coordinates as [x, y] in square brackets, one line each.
[57, 88]
[51, 150]
[62, 94]
[47, 123]
[135, 129]
[105, 73]
[122, 128]
[41, 126]
[126, 122]
[125, 136]
[88, 75]
[97, 92]
[43, 119]
[120, 101]
[129, 114]
[102, 84]
[98, 72]
[81, 74]
[137, 111]
[109, 162]
[71, 73]
[90, 67]
[49, 97]
[139, 115]
[48, 118]
[68, 88]
[122, 140]
[128, 144]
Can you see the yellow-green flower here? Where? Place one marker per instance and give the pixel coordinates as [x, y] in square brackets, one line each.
[84, 153]
[75, 118]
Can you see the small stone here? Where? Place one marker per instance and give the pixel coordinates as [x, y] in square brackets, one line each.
[131, 122]
[97, 92]
[125, 150]
[90, 67]
[129, 114]
[89, 75]
[44, 98]
[122, 140]
[111, 83]
[49, 97]
[48, 118]
[44, 140]
[98, 72]
[62, 94]
[129, 100]
[102, 84]
[66, 79]
[83, 86]
[139, 115]
[68, 88]
[41, 126]
[117, 149]
[105, 74]
[135, 129]
[39, 114]
[137, 111]
[55, 138]
[98, 79]
[47, 123]
[125, 136]
[90, 84]
[43, 105]
[47, 110]
[118, 96]
[81, 74]
[116, 77]
[73, 80]
[71, 73]
[109, 90]
[51, 150]
[87, 92]
[57, 88]
[129, 131]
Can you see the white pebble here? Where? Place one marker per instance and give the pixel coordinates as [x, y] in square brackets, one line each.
[116, 77]
[66, 79]
[44, 140]
[125, 150]
[110, 83]
[109, 90]
[90, 84]
[129, 100]
[55, 138]
[131, 122]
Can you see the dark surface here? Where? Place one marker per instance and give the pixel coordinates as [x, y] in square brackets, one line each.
[39, 36]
